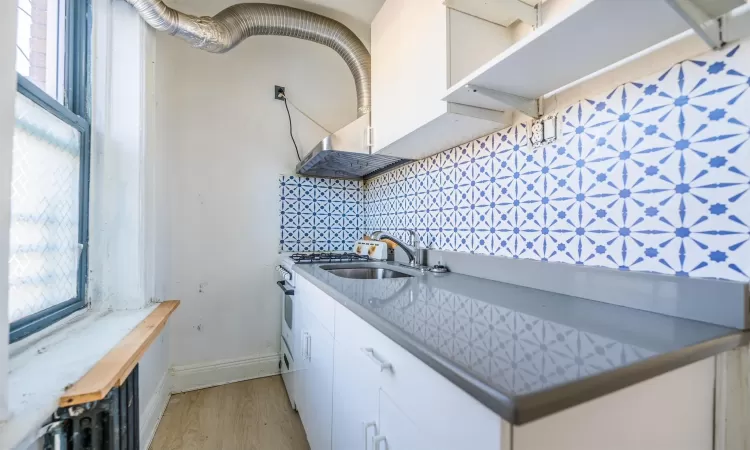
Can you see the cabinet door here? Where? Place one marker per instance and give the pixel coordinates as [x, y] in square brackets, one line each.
[315, 382]
[444, 412]
[387, 63]
[397, 430]
[302, 383]
[409, 41]
[424, 72]
[355, 398]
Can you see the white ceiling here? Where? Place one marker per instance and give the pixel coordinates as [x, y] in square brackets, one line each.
[361, 10]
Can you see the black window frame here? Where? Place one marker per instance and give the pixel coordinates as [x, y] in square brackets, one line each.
[75, 111]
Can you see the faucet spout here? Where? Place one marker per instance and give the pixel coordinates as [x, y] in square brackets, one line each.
[412, 251]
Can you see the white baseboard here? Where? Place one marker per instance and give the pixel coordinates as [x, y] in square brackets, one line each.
[154, 411]
[215, 373]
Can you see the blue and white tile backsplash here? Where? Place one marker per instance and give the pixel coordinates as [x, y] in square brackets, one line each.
[320, 214]
[652, 177]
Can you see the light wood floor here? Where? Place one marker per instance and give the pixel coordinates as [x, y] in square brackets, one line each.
[250, 415]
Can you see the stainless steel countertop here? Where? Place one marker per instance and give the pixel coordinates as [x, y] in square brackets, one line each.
[523, 353]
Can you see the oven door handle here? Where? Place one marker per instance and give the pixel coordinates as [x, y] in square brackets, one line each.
[282, 285]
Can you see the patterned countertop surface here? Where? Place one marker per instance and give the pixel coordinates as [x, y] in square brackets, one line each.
[521, 351]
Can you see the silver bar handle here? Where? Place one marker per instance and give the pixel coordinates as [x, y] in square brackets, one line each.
[376, 440]
[384, 365]
[306, 346]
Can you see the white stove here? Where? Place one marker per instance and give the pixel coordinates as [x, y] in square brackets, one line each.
[288, 338]
[290, 333]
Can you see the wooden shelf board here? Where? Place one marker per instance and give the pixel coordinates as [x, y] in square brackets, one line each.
[592, 35]
[112, 370]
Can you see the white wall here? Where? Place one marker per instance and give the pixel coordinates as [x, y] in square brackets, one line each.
[223, 142]
[120, 210]
[7, 98]
[123, 185]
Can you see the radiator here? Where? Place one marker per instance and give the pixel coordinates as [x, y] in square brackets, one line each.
[108, 424]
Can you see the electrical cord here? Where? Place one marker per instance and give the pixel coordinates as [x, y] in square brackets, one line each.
[309, 118]
[296, 149]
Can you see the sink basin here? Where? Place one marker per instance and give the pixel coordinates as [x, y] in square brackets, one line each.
[365, 273]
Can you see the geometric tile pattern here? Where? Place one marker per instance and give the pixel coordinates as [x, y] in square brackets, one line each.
[510, 350]
[44, 251]
[320, 214]
[653, 176]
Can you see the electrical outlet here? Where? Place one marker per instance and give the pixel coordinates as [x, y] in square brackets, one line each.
[543, 131]
[279, 92]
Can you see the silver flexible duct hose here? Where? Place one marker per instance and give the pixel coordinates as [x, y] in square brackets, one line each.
[231, 26]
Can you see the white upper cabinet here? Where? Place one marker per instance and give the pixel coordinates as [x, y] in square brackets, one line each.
[577, 38]
[419, 49]
[445, 72]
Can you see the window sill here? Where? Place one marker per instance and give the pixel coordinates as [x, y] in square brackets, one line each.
[41, 370]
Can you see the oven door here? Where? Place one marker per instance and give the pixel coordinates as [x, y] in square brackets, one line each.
[287, 315]
[287, 373]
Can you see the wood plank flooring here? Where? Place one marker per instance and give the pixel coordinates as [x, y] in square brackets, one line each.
[250, 415]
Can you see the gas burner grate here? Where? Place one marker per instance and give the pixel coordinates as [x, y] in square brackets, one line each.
[311, 258]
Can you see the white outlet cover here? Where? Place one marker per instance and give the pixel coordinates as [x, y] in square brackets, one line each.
[536, 136]
[550, 129]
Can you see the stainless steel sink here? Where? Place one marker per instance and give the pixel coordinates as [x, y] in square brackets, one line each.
[365, 273]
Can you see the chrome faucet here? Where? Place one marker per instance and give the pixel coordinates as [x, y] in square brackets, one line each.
[411, 250]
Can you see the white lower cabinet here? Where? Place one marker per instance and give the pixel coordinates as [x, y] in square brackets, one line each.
[355, 399]
[416, 408]
[314, 388]
[364, 416]
[398, 431]
[359, 390]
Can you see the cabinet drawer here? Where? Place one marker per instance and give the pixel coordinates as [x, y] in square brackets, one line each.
[437, 406]
[316, 301]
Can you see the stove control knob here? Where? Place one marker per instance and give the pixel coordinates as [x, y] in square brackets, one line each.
[284, 273]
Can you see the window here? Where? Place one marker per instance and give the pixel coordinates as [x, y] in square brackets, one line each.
[39, 57]
[49, 193]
